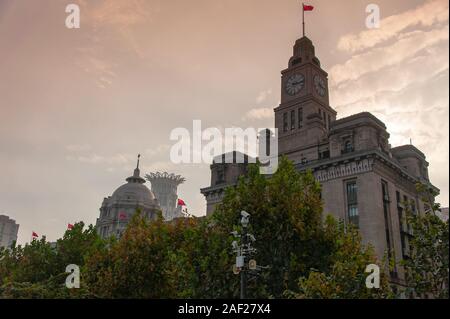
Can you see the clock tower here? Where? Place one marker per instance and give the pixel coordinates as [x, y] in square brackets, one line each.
[303, 118]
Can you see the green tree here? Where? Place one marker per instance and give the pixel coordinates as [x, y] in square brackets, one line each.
[346, 278]
[427, 269]
[307, 258]
[134, 266]
[76, 244]
[33, 262]
[286, 221]
[201, 260]
[37, 270]
[192, 258]
[184, 258]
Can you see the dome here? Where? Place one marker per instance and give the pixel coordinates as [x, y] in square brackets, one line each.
[118, 209]
[134, 192]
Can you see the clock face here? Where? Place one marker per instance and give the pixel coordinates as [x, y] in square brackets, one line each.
[320, 85]
[295, 84]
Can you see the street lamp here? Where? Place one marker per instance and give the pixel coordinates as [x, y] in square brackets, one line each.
[245, 218]
[243, 248]
[242, 251]
[244, 222]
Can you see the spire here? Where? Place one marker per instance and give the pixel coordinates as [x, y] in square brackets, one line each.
[137, 171]
[136, 178]
[304, 51]
[137, 166]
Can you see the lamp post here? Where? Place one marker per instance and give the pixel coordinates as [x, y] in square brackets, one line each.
[242, 246]
[242, 250]
[244, 223]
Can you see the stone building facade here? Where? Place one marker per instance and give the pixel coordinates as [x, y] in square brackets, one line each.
[117, 209]
[8, 231]
[224, 175]
[364, 180]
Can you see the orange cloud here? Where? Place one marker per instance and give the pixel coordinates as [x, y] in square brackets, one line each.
[431, 13]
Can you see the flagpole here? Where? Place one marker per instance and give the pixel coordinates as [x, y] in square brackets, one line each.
[303, 16]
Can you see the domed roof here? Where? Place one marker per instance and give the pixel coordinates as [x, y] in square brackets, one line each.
[134, 190]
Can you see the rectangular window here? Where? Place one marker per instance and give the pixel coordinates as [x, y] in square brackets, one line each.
[285, 122]
[352, 203]
[220, 175]
[406, 246]
[105, 231]
[300, 117]
[385, 193]
[413, 207]
[407, 203]
[401, 222]
[348, 146]
[387, 223]
[329, 121]
[292, 120]
[324, 154]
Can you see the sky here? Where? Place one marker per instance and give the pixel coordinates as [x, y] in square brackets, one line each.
[78, 105]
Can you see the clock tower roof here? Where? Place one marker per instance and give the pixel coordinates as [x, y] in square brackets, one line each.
[304, 52]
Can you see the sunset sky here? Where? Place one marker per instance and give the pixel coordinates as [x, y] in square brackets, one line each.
[78, 105]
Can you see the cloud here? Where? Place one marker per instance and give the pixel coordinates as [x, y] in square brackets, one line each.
[117, 159]
[117, 13]
[161, 166]
[407, 46]
[419, 69]
[259, 113]
[110, 23]
[428, 14]
[161, 149]
[78, 147]
[91, 61]
[400, 73]
[263, 96]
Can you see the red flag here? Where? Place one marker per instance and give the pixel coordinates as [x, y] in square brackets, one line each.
[181, 202]
[122, 215]
[307, 7]
[34, 235]
[69, 226]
